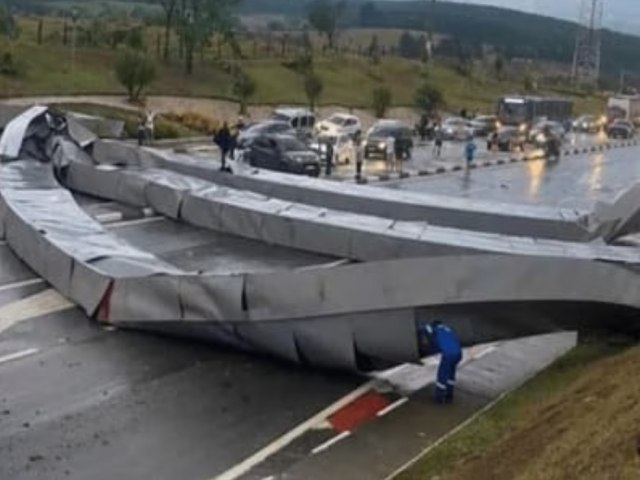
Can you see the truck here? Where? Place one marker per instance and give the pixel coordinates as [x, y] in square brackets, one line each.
[624, 107]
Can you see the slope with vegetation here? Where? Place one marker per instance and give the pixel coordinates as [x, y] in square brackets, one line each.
[579, 420]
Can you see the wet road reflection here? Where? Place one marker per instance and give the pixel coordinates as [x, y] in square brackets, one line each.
[572, 182]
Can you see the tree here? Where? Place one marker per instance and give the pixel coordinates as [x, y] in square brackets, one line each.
[428, 98]
[8, 25]
[324, 16]
[135, 71]
[197, 21]
[40, 31]
[244, 87]
[313, 87]
[498, 66]
[381, 99]
[169, 7]
[374, 50]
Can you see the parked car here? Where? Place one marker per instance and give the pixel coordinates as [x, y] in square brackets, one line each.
[456, 128]
[344, 148]
[509, 139]
[339, 124]
[282, 153]
[377, 137]
[266, 127]
[484, 125]
[301, 119]
[621, 129]
[589, 124]
[545, 130]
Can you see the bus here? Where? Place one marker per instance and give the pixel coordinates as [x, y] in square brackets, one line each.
[525, 111]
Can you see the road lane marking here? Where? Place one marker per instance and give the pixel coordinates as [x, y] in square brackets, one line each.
[18, 355]
[329, 443]
[392, 407]
[109, 217]
[23, 283]
[42, 303]
[140, 221]
[286, 439]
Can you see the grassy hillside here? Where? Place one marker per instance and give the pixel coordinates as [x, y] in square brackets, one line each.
[578, 420]
[348, 79]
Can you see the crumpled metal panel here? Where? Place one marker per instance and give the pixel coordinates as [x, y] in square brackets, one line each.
[530, 220]
[16, 131]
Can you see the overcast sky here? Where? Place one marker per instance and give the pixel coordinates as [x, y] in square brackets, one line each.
[618, 14]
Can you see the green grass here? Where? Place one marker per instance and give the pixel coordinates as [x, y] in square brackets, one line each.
[509, 414]
[164, 128]
[348, 80]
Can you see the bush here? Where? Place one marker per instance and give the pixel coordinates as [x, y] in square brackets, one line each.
[9, 66]
[381, 99]
[428, 98]
[135, 71]
[194, 121]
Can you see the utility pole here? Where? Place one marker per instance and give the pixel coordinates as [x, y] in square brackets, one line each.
[586, 58]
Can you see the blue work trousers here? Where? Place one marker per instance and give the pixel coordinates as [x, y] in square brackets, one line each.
[446, 379]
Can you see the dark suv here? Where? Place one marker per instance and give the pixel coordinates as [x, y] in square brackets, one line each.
[379, 134]
[284, 154]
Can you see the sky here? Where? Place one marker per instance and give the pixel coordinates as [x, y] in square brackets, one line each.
[623, 15]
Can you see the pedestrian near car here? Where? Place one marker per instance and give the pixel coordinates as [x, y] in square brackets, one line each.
[223, 140]
[328, 167]
[437, 146]
[443, 340]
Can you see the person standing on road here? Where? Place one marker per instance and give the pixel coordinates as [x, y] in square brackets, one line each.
[141, 131]
[223, 140]
[437, 146]
[150, 126]
[469, 152]
[329, 153]
[444, 341]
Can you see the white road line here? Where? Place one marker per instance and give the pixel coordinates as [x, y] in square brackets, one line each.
[281, 442]
[329, 443]
[484, 352]
[132, 223]
[24, 283]
[392, 407]
[43, 303]
[109, 217]
[18, 355]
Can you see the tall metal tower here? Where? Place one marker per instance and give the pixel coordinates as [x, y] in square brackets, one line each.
[586, 59]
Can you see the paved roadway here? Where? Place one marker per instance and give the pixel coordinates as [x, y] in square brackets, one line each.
[78, 401]
[573, 182]
[453, 154]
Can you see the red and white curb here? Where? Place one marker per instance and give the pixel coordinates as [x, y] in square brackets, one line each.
[383, 394]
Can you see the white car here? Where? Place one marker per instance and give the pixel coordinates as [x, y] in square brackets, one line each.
[456, 128]
[339, 124]
[345, 148]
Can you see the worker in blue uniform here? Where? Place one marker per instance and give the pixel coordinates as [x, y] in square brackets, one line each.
[443, 340]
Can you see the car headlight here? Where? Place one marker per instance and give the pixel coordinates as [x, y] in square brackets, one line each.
[522, 127]
[541, 138]
[382, 145]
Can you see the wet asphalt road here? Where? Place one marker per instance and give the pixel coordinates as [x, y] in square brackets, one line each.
[95, 404]
[573, 182]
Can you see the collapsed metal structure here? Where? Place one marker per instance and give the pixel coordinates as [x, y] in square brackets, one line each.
[384, 258]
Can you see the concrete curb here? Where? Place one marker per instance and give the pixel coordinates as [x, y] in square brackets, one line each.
[427, 172]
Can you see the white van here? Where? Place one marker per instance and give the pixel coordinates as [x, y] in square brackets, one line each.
[301, 119]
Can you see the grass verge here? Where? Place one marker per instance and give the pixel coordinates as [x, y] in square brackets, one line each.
[530, 433]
